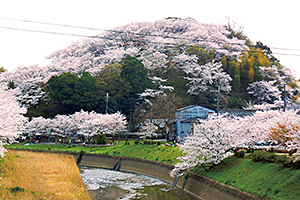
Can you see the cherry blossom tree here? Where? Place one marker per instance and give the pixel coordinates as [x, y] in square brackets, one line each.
[148, 130]
[254, 128]
[12, 119]
[99, 123]
[211, 142]
[208, 75]
[281, 76]
[38, 125]
[286, 131]
[153, 43]
[83, 123]
[62, 125]
[28, 83]
[264, 91]
[156, 44]
[158, 89]
[213, 139]
[265, 106]
[157, 110]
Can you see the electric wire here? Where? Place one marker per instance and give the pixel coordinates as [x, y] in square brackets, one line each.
[136, 40]
[130, 32]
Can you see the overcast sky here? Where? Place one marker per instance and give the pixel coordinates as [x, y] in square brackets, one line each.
[275, 23]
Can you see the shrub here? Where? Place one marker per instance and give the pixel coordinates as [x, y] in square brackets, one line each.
[149, 142]
[296, 164]
[15, 190]
[270, 157]
[152, 142]
[263, 156]
[239, 154]
[158, 143]
[101, 139]
[292, 163]
[136, 142]
[281, 159]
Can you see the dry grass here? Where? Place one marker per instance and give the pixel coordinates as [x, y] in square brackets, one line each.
[29, 175]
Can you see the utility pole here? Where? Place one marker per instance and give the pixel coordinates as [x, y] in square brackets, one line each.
[106, 99]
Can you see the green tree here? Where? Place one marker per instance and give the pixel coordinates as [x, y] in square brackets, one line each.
[135, 76]
[70, 93]
[109, 80]
[236, 83]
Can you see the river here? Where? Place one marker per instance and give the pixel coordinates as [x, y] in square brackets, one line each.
[109, 184]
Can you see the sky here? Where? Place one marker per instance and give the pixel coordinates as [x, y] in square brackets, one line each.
[273, 22]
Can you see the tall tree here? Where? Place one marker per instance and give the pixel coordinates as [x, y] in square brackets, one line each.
[264, 91]
[12, 119]
[71, 93]
[109, 80]
[135, 76]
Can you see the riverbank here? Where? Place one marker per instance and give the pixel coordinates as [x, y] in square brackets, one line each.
[266, 180]
[197, 185]
[148, 151]
[31, 175]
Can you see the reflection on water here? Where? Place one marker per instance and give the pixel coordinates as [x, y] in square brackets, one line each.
[109, 184]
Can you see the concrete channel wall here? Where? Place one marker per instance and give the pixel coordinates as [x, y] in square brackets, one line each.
[197, 185]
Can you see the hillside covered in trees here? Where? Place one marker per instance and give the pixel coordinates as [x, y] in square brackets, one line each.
[155, 67]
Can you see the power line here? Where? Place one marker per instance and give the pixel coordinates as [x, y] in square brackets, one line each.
[48, 32]
[110, 30]
[138, 40]
[134, 33]
[53, 24]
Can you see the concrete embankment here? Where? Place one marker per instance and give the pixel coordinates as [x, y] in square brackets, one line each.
[198, 185]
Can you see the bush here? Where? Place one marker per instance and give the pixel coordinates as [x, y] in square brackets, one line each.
[296, 164]
[292, 163]
[263, 156]
[101, 139]
[136, 142]
[152, 142]
[15, 190]
[281, 159]
[271, 157]
[239, 154]
[158, 143]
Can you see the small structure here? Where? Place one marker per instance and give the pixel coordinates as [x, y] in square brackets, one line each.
[239, 112]
[186, 116]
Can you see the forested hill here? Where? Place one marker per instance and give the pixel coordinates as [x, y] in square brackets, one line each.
[179, 61]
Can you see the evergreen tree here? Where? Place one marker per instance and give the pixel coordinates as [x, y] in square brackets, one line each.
[135, 76]
[69, 93]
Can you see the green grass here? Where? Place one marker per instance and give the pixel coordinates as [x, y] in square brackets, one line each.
[266, 180]
[160, 153]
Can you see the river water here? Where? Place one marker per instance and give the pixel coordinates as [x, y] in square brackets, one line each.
[109, 184]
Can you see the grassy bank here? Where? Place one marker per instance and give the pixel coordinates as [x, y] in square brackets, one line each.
[28, 175]
[160, 153]
[263, 179]
[266, 180]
